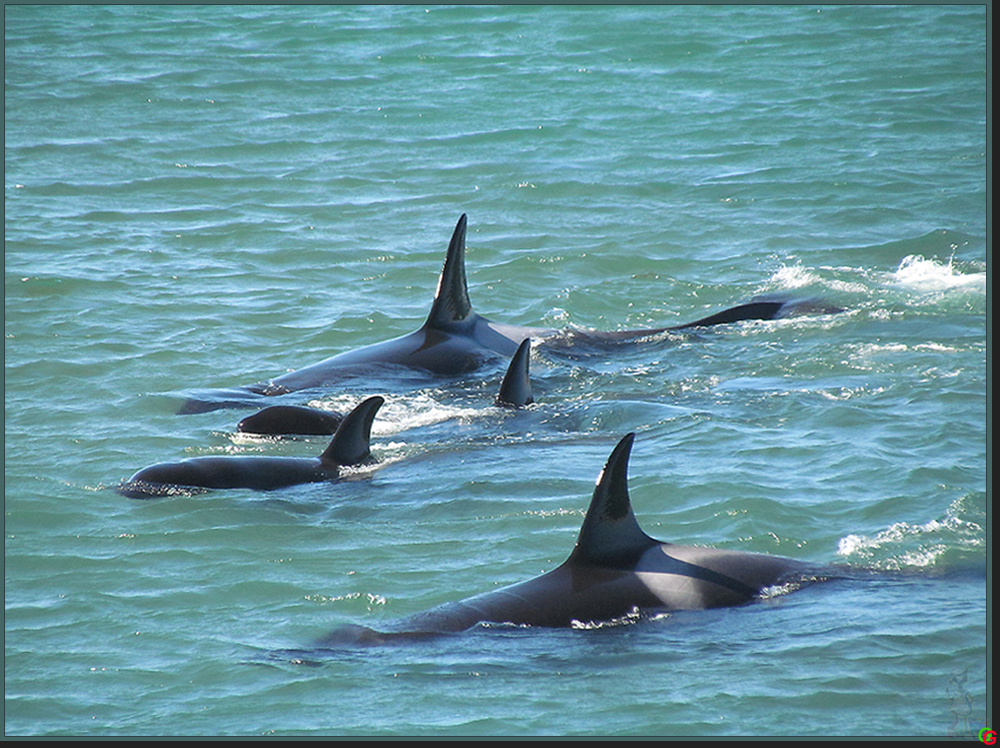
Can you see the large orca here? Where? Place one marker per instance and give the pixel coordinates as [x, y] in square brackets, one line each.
[349, 446]
[455, 340]
[283, 420]
[615, 570]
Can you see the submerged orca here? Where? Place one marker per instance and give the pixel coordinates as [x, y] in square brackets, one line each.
[283, 420]
[615, 570]
[455, 340]
[349, 446]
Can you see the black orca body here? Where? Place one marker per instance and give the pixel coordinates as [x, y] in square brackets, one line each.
[455, 340]
[283, 420]
[614, 571]
[349, 446]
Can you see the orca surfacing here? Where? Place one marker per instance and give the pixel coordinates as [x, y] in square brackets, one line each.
[349, 446]
[614, 571]
[454, 340]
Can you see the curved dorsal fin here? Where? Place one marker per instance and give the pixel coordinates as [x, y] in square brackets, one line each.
[610, 535]
[349, 445]
[773, 306]
[750, 310]
[515, 390]
[451, 302]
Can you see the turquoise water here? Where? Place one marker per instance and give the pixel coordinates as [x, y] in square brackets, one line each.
[208, 197]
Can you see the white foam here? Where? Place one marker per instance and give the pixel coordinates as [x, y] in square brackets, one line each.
[913, 545]
[794, 276]
[928, 276]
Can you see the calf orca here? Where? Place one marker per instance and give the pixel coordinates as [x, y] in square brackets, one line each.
[283, 420]
[615, 570]
[455, 340]
[349, 446]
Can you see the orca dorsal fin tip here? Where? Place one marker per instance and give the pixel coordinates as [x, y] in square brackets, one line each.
[611, 500]
[610, 535]
[515, 390]
[451, 302]
[350, 445]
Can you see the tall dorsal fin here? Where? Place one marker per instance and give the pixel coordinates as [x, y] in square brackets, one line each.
[611, 535]
[515, 390]
[349, 445]
[451, 302]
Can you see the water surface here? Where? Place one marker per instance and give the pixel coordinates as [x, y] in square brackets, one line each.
[208, 197]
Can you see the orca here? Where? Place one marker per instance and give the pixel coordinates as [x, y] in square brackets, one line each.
[454, 340]
[615, 572]
[284, 420]
[515, 389]
[349, 446]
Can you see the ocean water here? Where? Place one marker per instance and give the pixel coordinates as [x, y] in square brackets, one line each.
[203, 197]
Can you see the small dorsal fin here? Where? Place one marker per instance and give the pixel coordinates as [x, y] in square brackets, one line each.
[349, 445]
[451, 302]
[515, 390]
[610, 535]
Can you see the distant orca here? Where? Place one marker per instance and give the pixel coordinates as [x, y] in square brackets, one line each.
[282, 420]
[455, 340]
[615, 570]
[349, 446]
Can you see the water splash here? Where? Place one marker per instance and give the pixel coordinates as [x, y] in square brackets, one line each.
[793, 277]
[932, 276]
